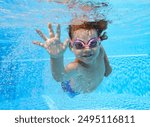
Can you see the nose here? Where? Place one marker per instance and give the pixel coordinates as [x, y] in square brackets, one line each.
[87, 49]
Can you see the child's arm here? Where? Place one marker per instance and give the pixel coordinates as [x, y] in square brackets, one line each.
[57, 67]
[108, 68]
[56, 50]
[61, 73]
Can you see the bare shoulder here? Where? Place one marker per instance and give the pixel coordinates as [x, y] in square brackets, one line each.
[72, 66]
[70, 71]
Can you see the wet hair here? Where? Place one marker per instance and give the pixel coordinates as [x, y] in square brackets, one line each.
[99, 26]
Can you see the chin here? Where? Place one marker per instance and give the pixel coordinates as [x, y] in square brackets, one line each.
[88, 60]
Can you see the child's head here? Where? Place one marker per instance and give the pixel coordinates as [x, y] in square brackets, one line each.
[85, 39]
[98, 26]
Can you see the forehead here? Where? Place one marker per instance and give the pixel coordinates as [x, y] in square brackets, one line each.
[84, 34]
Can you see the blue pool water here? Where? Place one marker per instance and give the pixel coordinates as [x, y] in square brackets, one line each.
[25, 74]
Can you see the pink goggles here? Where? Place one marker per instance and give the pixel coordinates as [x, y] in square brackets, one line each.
[92, 43]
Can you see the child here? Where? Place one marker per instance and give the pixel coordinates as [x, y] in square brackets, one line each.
[87, 71]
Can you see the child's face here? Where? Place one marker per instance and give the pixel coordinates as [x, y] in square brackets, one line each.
[87, 54]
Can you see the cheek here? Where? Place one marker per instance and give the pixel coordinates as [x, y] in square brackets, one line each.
[96, 50]
[77, 52]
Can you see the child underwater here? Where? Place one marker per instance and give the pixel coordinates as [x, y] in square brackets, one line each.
[87, 71]
[91, 64]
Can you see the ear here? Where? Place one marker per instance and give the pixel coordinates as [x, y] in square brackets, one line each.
[104, 36]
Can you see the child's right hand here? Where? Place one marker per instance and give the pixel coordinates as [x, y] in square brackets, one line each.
[53, 45]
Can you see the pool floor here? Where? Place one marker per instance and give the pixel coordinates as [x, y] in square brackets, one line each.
[81, 102]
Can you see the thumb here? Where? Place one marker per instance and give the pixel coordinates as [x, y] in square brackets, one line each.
[65, 44]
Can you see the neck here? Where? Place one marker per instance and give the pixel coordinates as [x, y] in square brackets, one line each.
[84, 64]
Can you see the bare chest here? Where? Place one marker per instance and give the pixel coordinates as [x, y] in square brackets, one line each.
[89, 78]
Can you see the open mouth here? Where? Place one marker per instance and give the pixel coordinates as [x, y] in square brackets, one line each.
[87, 55]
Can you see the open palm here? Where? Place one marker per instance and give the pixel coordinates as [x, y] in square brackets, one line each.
[53, 44]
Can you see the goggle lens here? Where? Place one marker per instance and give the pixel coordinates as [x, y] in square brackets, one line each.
[92, 43]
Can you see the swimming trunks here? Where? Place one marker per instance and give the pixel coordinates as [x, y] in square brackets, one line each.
[67, 88]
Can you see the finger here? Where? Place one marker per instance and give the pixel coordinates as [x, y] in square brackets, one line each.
[58, 32]
[38, 43]
[41, 34]
[65, 44]
[51, 32]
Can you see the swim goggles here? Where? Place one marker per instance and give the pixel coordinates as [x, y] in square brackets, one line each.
[92, 43]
